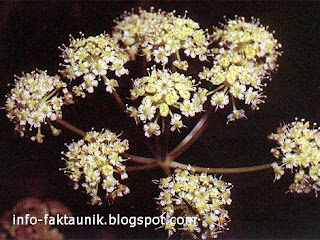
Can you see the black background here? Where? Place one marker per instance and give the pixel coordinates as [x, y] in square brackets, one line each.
[30, 33]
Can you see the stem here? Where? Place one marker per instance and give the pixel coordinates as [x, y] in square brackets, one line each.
[195, 133]
[49, 95]
[215, 90]
[167, 171]
[147, 143]
[71, 127]
[178, 56]
[233, 102]
[119, 100]
[223, 170]
[165, 138]
[149, 163]
[141, 167]
[138, 159]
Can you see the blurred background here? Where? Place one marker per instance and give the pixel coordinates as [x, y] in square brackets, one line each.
[30, 33]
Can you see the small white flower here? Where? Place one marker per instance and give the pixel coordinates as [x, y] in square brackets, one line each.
[278, 170]
[219, 99]
[253, 98]
[151, 128]
[187, 108]
[176, 122]
[146, 112]
[237, 90]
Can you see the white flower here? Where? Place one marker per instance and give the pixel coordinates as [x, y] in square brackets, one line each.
[253, 98]
[36, 100]
[146, 112]
[176, 122]
[160, 56]
[219, 99]
[187, 108]
[93, 58]
[237, 90]
[164, 94]
[151, 128]
[158, 35]
[278, 170]
[299, 152]
[201, 196]
[95, 161]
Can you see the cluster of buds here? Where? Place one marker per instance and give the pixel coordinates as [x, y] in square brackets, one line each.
[159, 35]
[32, 207]
[93, 162]
[192, 195]
[92, 59]
[36, 99]
[246, 56]
[165, 94]
[299, 152]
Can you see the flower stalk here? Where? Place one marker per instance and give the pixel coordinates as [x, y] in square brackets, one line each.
[195, 133]
[222, 170]
[71, 127]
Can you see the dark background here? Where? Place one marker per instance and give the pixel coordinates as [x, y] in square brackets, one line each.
[30, 33]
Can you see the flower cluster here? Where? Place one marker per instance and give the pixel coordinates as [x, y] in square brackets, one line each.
[35, 208]
[299, 151]
[34, 101]
[163, 94]
[158, 35]
[93, 58]
[251, 40]
[93, 161]
[192, 195]
[246, 56]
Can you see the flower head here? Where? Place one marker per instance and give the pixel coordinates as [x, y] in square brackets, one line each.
[245, 58]
[93, 58]
[299, 152]
[158, 35]
[195, 195]
[94, 162]
[165, 94]
[250, 40]
[35, 100]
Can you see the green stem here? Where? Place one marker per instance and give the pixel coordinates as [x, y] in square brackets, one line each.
[215, 90]
[178, 56]
[49, 95]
